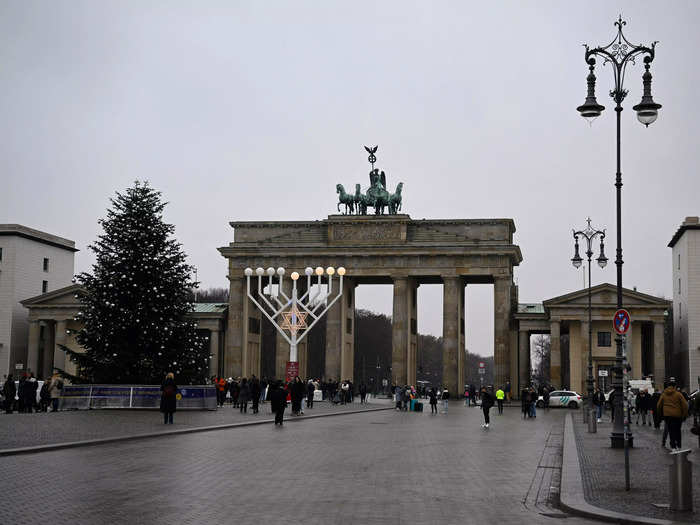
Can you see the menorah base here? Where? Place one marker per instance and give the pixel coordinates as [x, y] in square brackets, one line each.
[291, 371]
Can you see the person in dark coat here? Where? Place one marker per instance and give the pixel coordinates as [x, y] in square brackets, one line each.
[45, 397]
[433, 400]
[21, 393]
[255, 393]
[168, 398]
[525, 402]
[298, 390]
[310, 389]
[486, 404]
[9, 390]
[278, 402]
[244, 395]
[363, 392]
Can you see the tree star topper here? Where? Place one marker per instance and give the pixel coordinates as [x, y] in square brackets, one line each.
[294, 320]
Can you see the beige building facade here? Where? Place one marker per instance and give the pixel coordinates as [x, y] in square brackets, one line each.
[565, 319]
[31, 262]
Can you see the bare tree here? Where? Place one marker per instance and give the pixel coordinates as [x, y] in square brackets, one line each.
[211, 295]
[541, 359]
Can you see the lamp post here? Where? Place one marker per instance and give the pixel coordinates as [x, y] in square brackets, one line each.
[293, 310]
[589, 234]
[619, 54]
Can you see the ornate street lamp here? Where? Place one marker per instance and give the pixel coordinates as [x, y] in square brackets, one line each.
[589, 234]
[293, 310]
[619, 54]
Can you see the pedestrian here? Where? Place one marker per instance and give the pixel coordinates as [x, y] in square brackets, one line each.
[244, 396]
[656, 412]
[298, 391]
[466, 396]
[310, 389]
[9, 390]
[44, 397]
[472, 396]
[168, 398]
[445, 400]
[675, 410]
[641, 405]
[525, 402]
[363, 393]
[545, 398]
[500, 395]
[533, 403]
[486, 404]
[254, 393]
[235, 393]
[405, 398]
[598, 403]
[55, 387]
[278, 402]
[432, 394]
[263, 390]
[29, 393]
[507, 390]
[220, 391]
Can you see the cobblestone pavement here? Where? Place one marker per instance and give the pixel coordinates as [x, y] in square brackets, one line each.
[371, 468]
[604, 474]
[25, 430]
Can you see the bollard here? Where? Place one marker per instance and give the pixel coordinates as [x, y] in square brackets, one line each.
[681, 477]
[592, 421]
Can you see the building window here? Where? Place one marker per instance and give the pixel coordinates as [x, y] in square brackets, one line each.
[0, 253]
[253, 325]
[680, 310]
[604, 339]
[44, 286]
[46, 264]
[348, 325]
[349, 301]
[414, 326]
[679, 261]
[679, 286]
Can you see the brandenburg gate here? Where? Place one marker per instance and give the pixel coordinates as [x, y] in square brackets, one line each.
[379, 249]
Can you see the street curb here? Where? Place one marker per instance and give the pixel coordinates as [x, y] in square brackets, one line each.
[117, 439]
[571, 496]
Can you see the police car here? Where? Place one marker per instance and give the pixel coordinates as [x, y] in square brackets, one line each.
[561, 398]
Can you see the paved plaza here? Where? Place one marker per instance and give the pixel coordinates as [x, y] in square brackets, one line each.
[368, 468]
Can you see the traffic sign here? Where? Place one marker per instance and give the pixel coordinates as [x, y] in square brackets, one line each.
[622, 321]
[602, 373]
[482, 371]
[482, 364]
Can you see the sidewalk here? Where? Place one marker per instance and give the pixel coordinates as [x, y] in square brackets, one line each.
[37, 429]
[603, 471]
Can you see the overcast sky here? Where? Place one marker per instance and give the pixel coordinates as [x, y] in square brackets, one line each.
[255, 110]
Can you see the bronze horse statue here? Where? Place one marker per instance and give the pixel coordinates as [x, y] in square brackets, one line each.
[346, 199]
[395, 200]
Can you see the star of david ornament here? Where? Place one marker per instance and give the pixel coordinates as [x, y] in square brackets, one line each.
[294, 320]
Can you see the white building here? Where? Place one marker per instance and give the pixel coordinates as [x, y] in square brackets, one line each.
[686, 299]
[31, 263]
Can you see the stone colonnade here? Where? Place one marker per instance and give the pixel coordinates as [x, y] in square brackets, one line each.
[242, 355]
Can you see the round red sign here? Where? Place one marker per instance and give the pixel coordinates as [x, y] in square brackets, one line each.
[622, 321]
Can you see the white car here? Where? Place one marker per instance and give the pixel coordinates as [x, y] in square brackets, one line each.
[561, 398]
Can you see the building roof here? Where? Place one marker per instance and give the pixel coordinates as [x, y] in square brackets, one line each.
[35, 235]
[638, 298]
[205, 308]
[690, 223]
[530, 308]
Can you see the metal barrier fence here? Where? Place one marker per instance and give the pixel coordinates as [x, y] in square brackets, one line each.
[84, 397]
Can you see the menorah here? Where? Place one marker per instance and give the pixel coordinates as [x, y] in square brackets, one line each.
[294, 310]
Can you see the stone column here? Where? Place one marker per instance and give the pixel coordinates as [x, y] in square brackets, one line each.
[33, 347]
[412, 360]
[634, 349]
[461, 345]
[336, 339]
[347, 353]
[49, 344]
[501, 325]
[281, 345]
[524, 372]
[400, 322]
[452, 288]
[302, 352]
[214, 351]
[59, 356]
[236, 329]
[555, 351]
[579, 363]
[659, 354]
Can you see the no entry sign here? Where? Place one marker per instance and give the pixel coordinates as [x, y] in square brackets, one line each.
[621, 321]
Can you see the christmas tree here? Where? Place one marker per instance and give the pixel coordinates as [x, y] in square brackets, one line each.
[135, 301]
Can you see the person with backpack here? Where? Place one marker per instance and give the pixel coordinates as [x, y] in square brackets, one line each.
[675, 410]
[486, 404]
[168, 398]
[445, 400]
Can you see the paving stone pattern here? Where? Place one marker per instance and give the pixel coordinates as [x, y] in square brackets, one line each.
[43, 428]
[604, 474]
[367, 468]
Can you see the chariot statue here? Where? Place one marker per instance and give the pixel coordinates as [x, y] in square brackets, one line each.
[376, 196]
